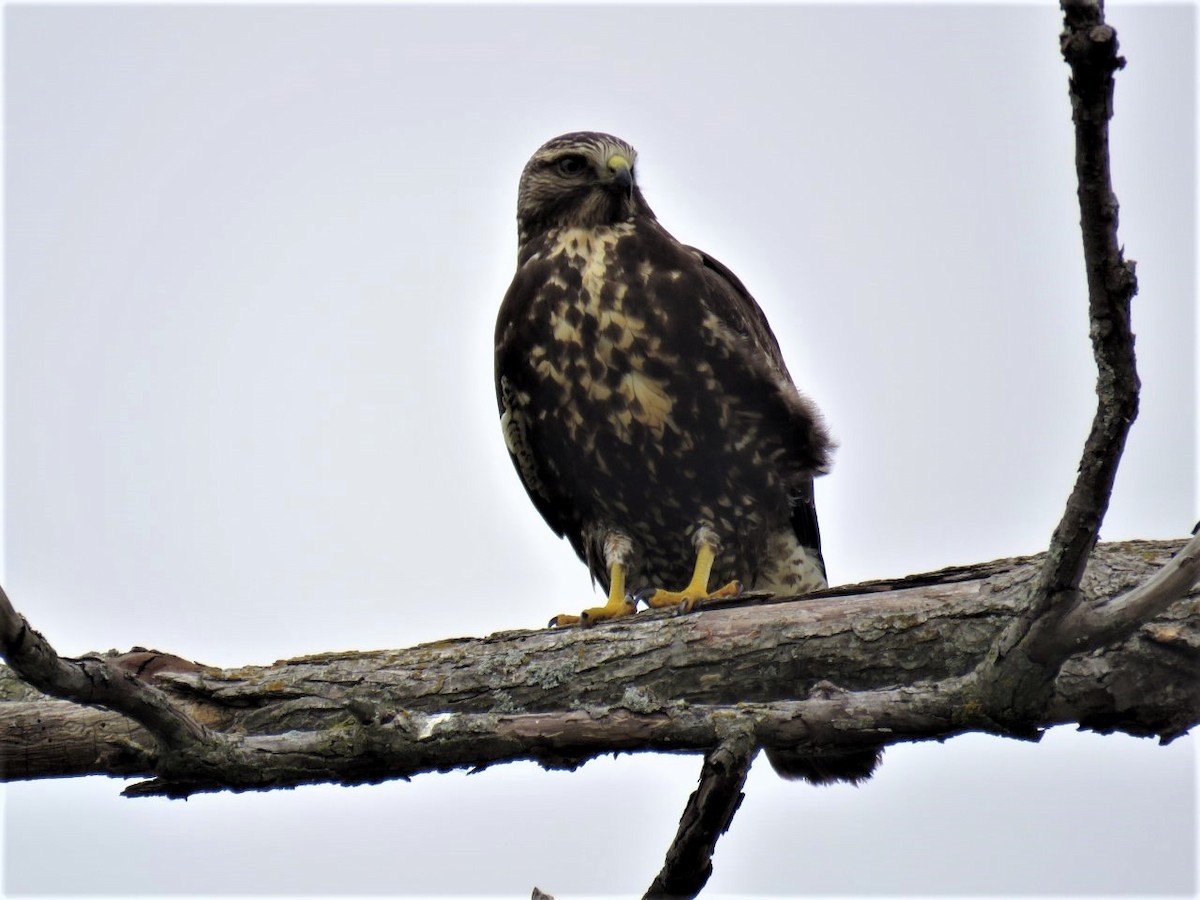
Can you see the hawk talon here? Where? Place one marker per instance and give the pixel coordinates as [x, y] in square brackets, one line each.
[690, 597]
[697, 590]
[614, 609]
[619, 610]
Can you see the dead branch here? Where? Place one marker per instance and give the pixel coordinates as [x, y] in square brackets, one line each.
[706, 817]
[90, 680]
[895, 661]
[1031, 652]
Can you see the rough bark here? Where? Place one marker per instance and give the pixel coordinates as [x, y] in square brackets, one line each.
[866, 665]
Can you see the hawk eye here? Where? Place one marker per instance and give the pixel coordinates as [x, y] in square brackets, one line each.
[572, 165]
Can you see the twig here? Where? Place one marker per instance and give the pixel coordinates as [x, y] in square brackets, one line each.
[706, 817]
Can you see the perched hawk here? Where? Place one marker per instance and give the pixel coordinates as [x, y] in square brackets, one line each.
[647, 406]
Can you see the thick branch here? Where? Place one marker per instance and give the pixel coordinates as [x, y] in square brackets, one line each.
[896, 661]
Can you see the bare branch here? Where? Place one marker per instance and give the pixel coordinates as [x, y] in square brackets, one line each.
[829, 674]
[706, 817]
[1089, 626]
[91, 680]
[1032, 651]
[1090, 48]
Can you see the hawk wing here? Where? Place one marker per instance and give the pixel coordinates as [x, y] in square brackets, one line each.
[737, 309]
[515, 396]
[734, 306]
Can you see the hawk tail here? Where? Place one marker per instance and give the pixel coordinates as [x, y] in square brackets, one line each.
[853, 766]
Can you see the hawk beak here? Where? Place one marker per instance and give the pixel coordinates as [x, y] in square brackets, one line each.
[620, 174]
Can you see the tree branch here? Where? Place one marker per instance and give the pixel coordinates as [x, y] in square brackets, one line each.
[706, 817]
[897, 661]
[91, 680]
[1028, 656]
[1089, 626]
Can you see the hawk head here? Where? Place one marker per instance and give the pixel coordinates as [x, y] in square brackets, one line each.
[580, 180]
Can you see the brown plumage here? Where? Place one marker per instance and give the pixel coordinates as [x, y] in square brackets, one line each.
[646, 403]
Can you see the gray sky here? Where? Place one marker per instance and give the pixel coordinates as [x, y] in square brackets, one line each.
[254, 257]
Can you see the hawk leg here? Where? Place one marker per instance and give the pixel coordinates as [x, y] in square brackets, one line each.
[697, 589]
[616, 549]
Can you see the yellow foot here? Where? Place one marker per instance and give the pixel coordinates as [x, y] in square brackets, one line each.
[596, 614]
[617, 607]
[687, 599]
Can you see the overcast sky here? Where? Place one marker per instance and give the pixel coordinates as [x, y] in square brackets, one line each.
[254, 257]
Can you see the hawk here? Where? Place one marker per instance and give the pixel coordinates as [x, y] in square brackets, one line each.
[646, 405]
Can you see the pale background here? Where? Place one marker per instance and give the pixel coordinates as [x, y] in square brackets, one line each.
[254, 257]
